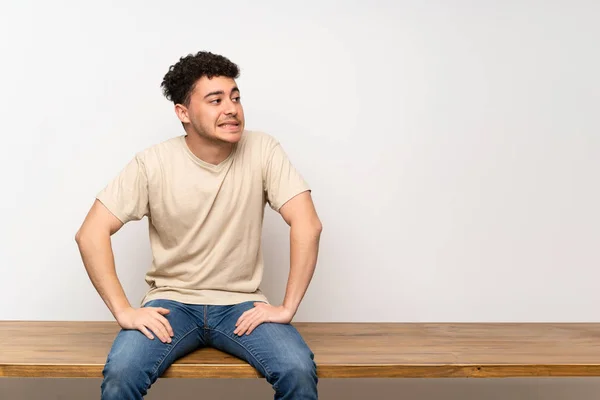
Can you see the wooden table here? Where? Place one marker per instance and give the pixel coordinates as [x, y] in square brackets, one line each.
[342, 350]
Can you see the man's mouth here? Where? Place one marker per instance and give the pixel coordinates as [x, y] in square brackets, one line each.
[229, 126]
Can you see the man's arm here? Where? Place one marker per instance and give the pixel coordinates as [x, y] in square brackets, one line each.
[94, 242]
[305, 232]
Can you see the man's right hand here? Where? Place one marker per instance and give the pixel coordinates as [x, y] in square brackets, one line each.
[146, 318]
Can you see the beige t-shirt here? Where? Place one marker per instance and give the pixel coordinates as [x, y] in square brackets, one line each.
[205, 220]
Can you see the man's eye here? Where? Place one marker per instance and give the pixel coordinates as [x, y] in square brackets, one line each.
[237, 99]
[217, 100]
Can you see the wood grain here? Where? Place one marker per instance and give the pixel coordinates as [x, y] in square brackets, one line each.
[342, 350]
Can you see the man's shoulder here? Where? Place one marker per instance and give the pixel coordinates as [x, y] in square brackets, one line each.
[160, 150]
[256, 139]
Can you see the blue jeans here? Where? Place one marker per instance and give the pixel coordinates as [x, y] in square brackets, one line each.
[277, 351]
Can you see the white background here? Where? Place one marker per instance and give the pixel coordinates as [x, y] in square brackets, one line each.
[453, 149]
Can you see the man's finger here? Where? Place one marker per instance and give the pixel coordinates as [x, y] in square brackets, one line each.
[160, 310]
[242, 327]
[244, 315]
[153, 327]
[146, 332]
[254, 324]
[159, 330]
[165, 323]
[239, 321]
[247, 324]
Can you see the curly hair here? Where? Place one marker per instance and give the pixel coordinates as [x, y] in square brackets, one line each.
[179, 82]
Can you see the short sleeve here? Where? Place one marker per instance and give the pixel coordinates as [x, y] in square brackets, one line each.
[126, 196]
[281, 180]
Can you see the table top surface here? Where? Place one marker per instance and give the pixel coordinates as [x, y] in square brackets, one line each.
[79, 349]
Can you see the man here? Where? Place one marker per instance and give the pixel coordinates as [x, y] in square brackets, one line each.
[204, 194]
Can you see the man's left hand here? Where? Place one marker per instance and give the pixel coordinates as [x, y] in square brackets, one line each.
[262, 312]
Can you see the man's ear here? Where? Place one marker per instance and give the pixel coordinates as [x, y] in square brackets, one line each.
[182, 113]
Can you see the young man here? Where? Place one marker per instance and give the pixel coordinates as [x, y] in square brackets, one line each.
[204, 194]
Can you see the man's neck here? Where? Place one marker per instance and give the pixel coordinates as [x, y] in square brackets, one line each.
[211, 151]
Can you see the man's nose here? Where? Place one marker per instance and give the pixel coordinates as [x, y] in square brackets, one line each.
[230, 108]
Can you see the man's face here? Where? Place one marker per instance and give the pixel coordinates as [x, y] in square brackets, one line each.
[215, 111]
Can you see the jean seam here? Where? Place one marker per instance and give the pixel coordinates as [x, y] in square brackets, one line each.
[269, 374]
[169, 350]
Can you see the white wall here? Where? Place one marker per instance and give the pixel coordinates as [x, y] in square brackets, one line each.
[453, 148]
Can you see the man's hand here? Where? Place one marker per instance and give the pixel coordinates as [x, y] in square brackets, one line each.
[146, 318]
[262, 313]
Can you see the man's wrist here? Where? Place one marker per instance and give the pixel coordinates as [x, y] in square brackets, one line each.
[120, 311]
[290, 308]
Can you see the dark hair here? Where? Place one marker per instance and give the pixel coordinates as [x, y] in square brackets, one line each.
[179, 82]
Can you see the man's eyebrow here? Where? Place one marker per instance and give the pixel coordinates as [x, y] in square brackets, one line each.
[235, 89]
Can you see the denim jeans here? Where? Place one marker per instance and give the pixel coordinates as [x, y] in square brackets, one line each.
[277, 351]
